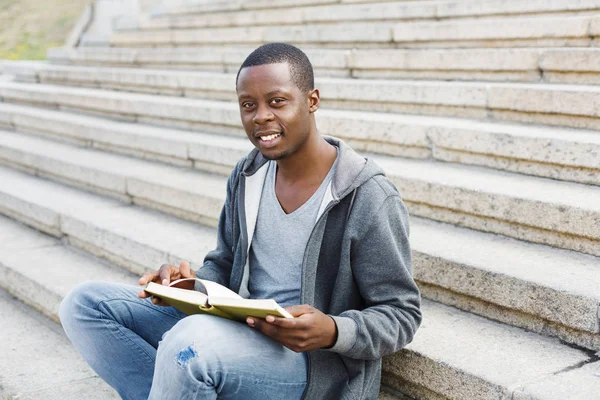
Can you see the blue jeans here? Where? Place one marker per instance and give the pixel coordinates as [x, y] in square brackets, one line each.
[145, 351]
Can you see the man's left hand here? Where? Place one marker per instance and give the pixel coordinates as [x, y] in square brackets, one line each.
[310, 329]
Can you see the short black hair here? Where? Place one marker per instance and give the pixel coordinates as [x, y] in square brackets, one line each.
[301, 70]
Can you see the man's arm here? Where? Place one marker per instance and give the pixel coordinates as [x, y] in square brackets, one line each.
[382, 267]
[218, 262]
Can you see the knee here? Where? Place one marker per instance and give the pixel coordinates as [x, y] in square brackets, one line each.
[193, 335]
[79, 301]
[182, 333]
[204, 343]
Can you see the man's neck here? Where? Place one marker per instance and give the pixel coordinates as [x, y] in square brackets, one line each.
[310, 165]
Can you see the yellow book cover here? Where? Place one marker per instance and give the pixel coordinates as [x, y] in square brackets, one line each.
[216, 300]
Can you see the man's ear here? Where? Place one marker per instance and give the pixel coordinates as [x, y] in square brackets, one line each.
[314, 99]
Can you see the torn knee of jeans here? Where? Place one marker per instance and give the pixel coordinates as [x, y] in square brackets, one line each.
[186, 355]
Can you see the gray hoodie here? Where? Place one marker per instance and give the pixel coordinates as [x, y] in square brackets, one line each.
[356, 268]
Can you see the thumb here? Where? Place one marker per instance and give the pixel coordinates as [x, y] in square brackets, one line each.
[299, 310]
[185, 270]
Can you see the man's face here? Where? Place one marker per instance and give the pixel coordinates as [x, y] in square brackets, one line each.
[275, 113]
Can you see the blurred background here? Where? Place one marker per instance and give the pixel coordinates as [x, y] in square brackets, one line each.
[30, 27]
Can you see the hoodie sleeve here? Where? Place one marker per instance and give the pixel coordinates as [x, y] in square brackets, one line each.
[382, 268]
[218, 262]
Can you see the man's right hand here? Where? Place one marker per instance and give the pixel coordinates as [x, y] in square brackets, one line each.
[165, 275]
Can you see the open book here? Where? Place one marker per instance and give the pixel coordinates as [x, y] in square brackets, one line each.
[216, 300]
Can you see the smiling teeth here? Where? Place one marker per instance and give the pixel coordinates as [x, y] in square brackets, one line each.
[270, 137]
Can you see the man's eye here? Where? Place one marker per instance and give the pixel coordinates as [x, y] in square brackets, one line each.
[247, 104]
[277, 101]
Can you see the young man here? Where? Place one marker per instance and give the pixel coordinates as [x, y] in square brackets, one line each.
[307, 222]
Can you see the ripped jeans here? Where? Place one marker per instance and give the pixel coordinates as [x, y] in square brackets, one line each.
[198, 357]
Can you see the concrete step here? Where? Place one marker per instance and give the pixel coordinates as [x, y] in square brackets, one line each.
[204, 151]
[468, 280]
[585, 379]
[327, 9]
[557, 153]
[530, 32]
[571, 66]
[519, 65]
[326, 62]
[33, 346]
[191, 194]
[456, 355]
[544, 290]
[568, 65]
[374, 11]
[538, 103]
[209, 6]
[61, 374]
[579, 31]
[532, 209]
[549, 104]
[40, 270]
[343, 35]
[136, 239]
[520, 285]
[293, 15]
[525, 358]
[559, 214]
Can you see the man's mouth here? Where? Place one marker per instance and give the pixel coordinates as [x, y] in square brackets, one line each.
[269, 137]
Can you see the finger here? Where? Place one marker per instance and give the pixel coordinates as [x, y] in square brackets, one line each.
[142, 294]
[283, 322]
[262, 326]
[299, 310]
[165, 273]
[148, 277]
[158, 301]
[185, 270]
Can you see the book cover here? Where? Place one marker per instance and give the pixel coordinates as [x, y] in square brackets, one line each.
[217, 300]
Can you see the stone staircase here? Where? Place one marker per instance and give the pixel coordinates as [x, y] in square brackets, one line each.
[483, 113]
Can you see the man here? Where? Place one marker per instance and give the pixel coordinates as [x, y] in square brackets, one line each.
[307, 222]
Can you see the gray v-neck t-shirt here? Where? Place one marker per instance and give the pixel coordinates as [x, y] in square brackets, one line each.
[279, 241]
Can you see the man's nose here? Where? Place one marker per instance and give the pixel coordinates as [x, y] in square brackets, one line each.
[263, 114]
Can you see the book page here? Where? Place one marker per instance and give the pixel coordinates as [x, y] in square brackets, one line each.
[210, 288]
[172, 293]
[188, 301]
[214, 289]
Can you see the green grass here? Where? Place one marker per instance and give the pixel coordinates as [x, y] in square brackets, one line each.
[28, 28]
[28, 47]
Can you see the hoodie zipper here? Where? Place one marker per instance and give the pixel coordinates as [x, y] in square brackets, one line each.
[329, 207]
[332, 204]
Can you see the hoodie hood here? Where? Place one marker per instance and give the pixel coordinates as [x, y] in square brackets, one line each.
[351, 172]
